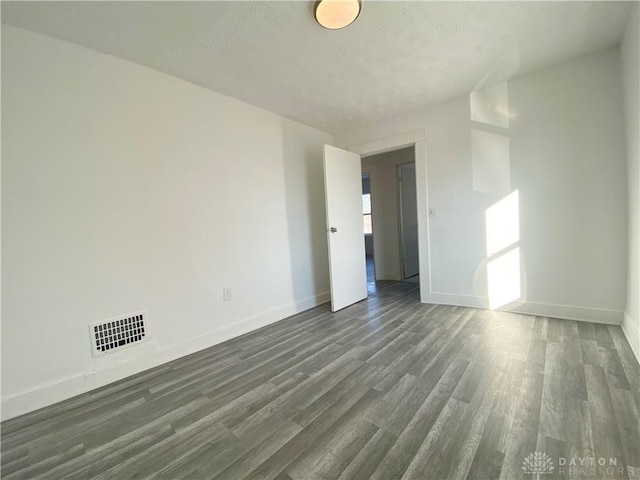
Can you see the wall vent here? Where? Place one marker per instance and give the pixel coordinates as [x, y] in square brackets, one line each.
[118, 333]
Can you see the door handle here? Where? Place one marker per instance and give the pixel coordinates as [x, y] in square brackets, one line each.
[333, 229]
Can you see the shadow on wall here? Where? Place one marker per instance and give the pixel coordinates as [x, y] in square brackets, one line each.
[306, 219]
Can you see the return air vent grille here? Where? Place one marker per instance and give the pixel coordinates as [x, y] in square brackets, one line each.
[118, 333]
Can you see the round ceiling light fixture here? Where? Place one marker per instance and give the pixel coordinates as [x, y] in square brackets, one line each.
[336, 14]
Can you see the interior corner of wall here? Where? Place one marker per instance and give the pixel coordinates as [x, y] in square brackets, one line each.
[631, 331]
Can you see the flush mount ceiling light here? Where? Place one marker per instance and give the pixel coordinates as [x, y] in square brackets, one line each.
[336, 14]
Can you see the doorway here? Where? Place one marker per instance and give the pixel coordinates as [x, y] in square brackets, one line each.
[408, 222]
[367, 221]
[416, 141]
[391, 254]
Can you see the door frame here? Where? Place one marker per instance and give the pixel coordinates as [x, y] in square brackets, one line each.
[417, 138]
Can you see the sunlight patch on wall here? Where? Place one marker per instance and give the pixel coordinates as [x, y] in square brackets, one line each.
[502, 222]
[503, 278]
[491, 171]
[490, 162]
[491, 105]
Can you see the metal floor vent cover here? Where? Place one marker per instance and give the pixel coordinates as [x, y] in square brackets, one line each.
[118, 333]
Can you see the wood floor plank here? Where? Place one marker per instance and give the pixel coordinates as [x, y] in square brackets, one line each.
[383, 412]
[463, 443]
[350, 405]
[628, 418]
[201, 461]
[401, 454]
[387, 388]
[469, 383]
[369, 456]
[628, 361]
[167, 452]
[335, 394]
[334, 451]
[606, 434]
[536, 356]
[242, 407]
[590, 352]
[553, 397]
[578, 429]
[586, 331]
[110, 455]
[613, 370]
[426, 457]
[603, 337]
[572, 350]
[256, 454]
[523, 433]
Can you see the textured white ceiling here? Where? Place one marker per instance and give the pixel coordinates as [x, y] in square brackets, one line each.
[397, 56]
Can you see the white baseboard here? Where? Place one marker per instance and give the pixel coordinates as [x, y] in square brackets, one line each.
[568, 312]
[152, 356]
[456, 300]
[631, 330]
[149, 356]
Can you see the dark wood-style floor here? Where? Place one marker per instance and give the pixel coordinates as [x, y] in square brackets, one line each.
[388, 388]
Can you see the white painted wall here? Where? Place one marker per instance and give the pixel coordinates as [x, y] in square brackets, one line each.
[386, 236]
[630, 56]
[566, 158]
[125, 189]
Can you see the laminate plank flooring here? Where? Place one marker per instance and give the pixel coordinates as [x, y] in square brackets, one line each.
[387, 388]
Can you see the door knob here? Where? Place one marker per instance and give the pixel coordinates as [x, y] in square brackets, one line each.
[333, 229]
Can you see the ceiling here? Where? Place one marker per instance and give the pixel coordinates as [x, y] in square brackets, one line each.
[397, 56]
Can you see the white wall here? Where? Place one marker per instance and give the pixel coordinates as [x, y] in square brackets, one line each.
[565, 156]
[385, 205]
[125, 189]
[630, 56]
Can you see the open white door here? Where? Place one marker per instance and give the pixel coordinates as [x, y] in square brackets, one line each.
[343, 200]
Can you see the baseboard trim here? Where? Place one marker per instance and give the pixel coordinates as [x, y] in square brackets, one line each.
[567, 312]
[631, 330]
[150, 357]
[153, 356]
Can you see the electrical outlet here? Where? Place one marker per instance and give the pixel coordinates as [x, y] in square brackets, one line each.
[226, 294]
